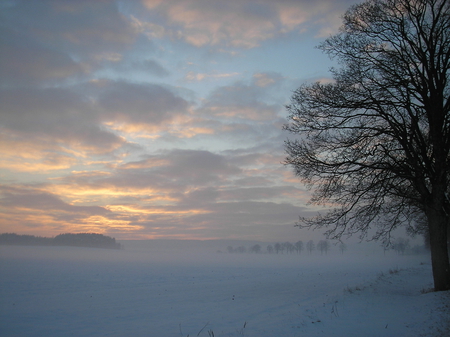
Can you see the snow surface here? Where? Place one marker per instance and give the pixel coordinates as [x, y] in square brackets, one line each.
[170, 288]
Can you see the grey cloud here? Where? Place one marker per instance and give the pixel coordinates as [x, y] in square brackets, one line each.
[240, 101]
[140, 103]
[170, 173]
[74, 26]
[265, 212]
[24, 62]
[54, 113]
[154, 68]
[192, 177]
[267, 79]
[253, 181]
[244, 157]
[224, 219]
[202, 196]
[16, 198]
[76, 115]
[56, 39]
[242, 24]
[232, 217]
[199, 166]
[207, 197]
[256, 193]
[235, 217]
[138, 68]
[184, 168]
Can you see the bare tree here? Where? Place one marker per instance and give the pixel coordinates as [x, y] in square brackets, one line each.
[255, 249]
[277, 247]
[375, 142]
[241, 249]
[310, 246]
[299, 246]
[289, 247]
[323, 246]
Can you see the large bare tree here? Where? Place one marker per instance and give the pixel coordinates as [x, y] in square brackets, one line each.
[375, 141]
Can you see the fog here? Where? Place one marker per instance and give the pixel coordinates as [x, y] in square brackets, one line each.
[181, 288]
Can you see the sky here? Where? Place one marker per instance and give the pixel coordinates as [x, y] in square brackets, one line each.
[156, 119]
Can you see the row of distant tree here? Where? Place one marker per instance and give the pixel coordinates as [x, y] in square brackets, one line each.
[400, 245]
[68, 239]
[323, 246]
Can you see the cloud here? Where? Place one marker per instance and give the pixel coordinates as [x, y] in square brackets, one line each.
[153, 67]
[199, 167]
[25, 62]
[188, 176]
[161, 180]
[192, 76]
[32, 199]
[56, 116]
[229, 220]
[180, 176]
[209, 197]
[139, 104]
[54, 39]
[55, 126]
[264, 80]
[233, 23]
[26, 208]
[90, 142]
[241, 24]
[171, 171]
[76, 26]
[22, 155]
[239, 101]
[145, 67]
[172, 193]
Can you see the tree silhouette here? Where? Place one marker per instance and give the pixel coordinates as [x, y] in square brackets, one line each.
[289, 247]
[277, 247]
[310, 246]
[299, 246]
[375, 142]
[68, 239]
[323, 246]
[241, 249]
[255, 248]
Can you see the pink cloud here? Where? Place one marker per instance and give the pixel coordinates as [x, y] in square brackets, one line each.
[240, 23]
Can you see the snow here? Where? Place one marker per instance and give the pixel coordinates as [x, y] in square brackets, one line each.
[170, 288]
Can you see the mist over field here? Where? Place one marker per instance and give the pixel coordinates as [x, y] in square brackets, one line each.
[181, 288]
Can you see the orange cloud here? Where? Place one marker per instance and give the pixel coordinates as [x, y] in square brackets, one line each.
[102, 224]
[26, 156]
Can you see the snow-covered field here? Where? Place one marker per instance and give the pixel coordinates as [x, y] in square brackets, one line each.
[183, 289]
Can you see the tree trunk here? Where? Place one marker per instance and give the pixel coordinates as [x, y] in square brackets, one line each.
[438, 222]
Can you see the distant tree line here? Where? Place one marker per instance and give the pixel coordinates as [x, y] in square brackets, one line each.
[287, 248]
[399, 245]
[67, 239]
